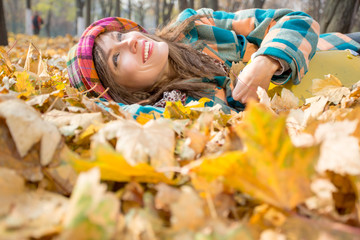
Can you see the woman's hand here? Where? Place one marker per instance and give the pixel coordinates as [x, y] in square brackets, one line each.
[257, 73]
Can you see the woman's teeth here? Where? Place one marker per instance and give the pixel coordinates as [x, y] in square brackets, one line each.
[146, 51]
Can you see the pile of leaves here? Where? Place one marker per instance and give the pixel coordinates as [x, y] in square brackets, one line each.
[73, 167]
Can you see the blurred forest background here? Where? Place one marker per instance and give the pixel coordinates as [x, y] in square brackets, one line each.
[72, 16]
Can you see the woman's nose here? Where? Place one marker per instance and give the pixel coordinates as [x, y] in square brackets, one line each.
[132, 43]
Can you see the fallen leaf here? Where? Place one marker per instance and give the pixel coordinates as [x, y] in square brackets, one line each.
[38, 100]
[285, 102]
[322, 201]
[319, 228]
[235, 70]
[152, 143]
[62, 118]
[330, 87]
[17, 185]
[23, 84]
[92, 211]
[187, 212]
[29, 166]
[339, 150]
[25, 214]
[32, 59]
[27, 128]
[175, 110]
[114, 167]
[278, 174]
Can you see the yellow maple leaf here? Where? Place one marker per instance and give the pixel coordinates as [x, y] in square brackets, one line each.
[178, 111]
[271, 169]
[23, 84]
[114, 167]
[143, 118]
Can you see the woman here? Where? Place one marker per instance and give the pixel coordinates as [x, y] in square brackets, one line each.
[191, 57]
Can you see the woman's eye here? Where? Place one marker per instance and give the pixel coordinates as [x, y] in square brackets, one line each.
[119, 36]
[115, 59]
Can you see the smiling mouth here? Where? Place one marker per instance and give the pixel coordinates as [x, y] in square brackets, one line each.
[147, 51]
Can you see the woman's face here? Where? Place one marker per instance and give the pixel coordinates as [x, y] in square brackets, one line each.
[135, 61]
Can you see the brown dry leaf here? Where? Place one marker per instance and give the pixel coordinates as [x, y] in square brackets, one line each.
[272, 235]
[63, 178]
[263, 97]
[188, 211]
[32, 59]
[29, 166]
[323, 200]
[43, 71]
[339, 150]
[152, 143]
[5, 63]
[27, 128]
[10, 183]
[316, 108]
[330, 87]
[165, 196]
[235, 70]
[26, 214]
[285, 102]
[131, 196]
[68, 122]
[38, 100]
[141, 223]
[295, 124]
[318, 229]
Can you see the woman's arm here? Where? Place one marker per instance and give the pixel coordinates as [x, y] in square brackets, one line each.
[291, 37]
[256, 74]
[277, 34]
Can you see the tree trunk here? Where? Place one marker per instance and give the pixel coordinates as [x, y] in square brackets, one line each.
[80, 18]
[117, 8]
[258, 3]
[356, 22]
[48, 20]
[13, 8]
[355, 19]
[182, 5]
[336, 17]
[191, 4]
[110, 8]
[203, 4]
[167, 10]
[3, 32]
[28, 18]
[141, 12]
[157, 13]
[129, 9]
[103, 8]
[88, 12]
[214, 4]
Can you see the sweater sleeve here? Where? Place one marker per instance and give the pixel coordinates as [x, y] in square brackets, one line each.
[282, 33]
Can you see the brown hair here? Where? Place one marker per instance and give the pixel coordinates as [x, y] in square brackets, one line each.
[189, 65]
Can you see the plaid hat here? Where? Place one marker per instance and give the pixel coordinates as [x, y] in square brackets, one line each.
[80, 63]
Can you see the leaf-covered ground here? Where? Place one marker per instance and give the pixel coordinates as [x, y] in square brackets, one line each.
[73, 167]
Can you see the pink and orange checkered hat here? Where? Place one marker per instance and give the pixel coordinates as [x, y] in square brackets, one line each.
[80, 63]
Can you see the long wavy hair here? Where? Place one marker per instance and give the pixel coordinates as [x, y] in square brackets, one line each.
[189, 65]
